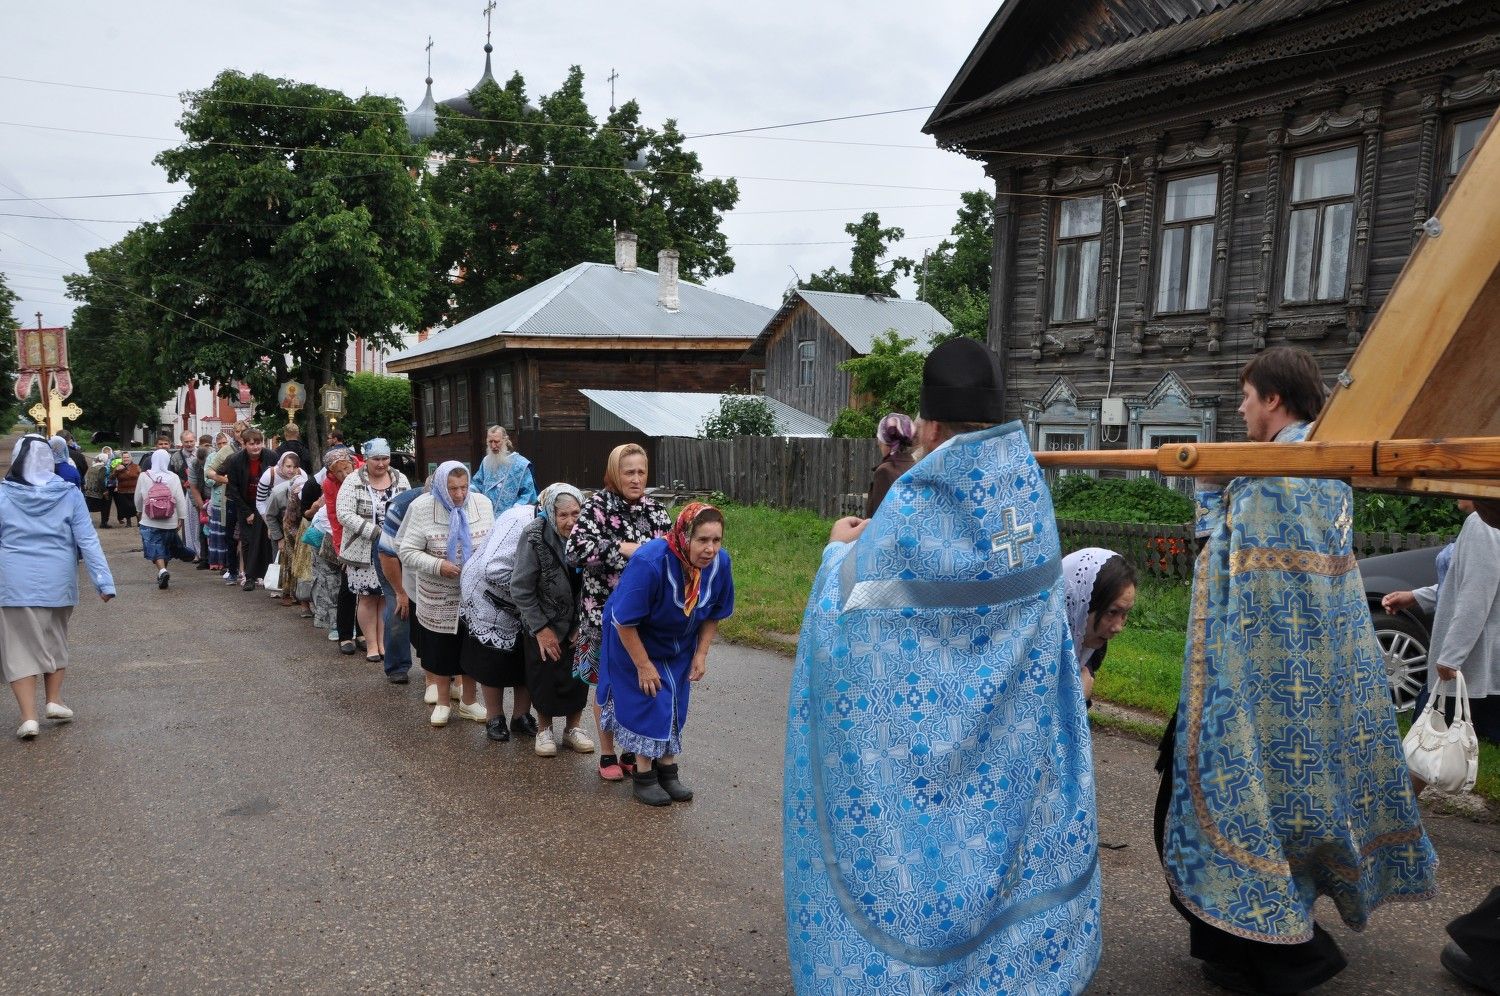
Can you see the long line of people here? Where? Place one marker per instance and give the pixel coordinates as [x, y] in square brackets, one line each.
[490, 585]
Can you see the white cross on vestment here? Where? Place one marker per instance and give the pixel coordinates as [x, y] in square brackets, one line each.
[1012, 537]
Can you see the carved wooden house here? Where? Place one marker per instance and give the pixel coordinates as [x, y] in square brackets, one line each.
[1182, 183]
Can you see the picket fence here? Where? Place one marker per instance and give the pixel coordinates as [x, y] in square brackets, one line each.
[828, 476]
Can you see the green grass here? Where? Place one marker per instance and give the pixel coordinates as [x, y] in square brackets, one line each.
[776, 553]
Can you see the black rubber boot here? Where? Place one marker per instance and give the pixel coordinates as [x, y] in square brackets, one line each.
[649, 790]
[666, 774]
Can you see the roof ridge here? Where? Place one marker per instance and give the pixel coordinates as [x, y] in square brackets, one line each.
[571, 274]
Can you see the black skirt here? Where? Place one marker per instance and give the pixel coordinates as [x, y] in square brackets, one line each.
[491, 666]
[555, 691]
[441, 653]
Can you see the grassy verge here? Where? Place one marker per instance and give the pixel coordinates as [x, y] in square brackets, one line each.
[776, 554]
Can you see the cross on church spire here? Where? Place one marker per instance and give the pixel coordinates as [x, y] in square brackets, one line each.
[429, 55]
[489, 9]
[612, 77]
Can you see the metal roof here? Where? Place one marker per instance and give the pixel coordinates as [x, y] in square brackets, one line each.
[670, 413]
[861, 318]
[599, 300]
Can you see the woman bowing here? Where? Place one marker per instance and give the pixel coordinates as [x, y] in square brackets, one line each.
[658, 626]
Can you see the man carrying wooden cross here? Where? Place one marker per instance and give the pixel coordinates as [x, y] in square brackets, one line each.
[1283, 776]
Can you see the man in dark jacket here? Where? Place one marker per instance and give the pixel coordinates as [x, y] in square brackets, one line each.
[75, 454]
[243, 470]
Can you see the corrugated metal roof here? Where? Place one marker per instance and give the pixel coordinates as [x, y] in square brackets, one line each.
[671, 413]
[596, 299]
[860, 318]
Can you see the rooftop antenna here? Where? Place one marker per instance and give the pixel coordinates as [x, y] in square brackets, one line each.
[612, 77]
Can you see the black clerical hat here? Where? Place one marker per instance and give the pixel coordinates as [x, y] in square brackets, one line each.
[962, 382]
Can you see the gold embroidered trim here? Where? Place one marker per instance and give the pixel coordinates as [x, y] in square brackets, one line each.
[1260, 558]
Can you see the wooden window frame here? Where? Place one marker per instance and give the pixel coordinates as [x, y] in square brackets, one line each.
[445, 406]
[461, 403]
[429, 408]
[505, 378]
[1450, 137]
[807, 362]
[1069, 282]
[1162, 226]
[489, 396]
[1320, 204]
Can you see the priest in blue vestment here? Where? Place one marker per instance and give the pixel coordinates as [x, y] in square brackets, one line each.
[1283, 775]
[939, 828]
[503, 476]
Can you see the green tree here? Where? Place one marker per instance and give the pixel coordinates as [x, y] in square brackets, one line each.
[740, 415]
[119, 378]
[303, 228]
[378, 406]
[523, 193]
[867, 273]
[955, 277]
[888, 379]
[8, 325]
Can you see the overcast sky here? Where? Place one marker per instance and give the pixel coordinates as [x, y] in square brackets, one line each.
[712, 66]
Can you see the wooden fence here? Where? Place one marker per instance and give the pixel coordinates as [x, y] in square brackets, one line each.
[1167, 551]
[828, 476]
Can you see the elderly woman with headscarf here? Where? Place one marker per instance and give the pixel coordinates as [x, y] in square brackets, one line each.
[163, 508]
[45, 529]
[614, 523]
[96, 489]
[333, 603]
[362, 502]
[1100, 594]
[491, 653]
[441, 531]
[504, 476]
[896, 435]
[544, 588]
[658, 626]
[279, 500]
[127, 475]
[64, 462]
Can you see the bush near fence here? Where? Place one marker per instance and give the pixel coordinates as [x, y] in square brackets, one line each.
[1167, 550]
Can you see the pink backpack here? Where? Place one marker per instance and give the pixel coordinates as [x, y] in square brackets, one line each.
[159, 501]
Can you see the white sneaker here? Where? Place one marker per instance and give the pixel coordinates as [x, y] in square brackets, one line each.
[439, 716]
[578, 740]
[29, 730]
[455, 690]
[430, 695]
[473, 710]
[333, 636]
[59, 712]
[545, 746]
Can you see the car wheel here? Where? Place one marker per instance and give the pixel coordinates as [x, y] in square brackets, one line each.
[1404, 643]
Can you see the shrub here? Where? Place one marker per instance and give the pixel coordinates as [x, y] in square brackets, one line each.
[1383, 513]
[740, 415]
[1113, 499]
[378, 406]
[854, 423]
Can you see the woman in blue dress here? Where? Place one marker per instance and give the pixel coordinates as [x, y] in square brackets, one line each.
[658, 626]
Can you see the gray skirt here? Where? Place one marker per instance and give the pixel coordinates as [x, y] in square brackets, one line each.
[33, 640]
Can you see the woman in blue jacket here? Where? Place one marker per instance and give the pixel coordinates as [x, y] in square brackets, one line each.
[658, 625]
[45, 529]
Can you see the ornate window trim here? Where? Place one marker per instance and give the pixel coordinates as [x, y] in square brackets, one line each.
[1170, 408]
[1069, 337]
[1221, 150]
[1059, 411]
[1362, 124]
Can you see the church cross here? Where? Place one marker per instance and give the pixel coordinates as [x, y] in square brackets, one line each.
[1011, 537]
[613, 75]
[489, 9]
[429, 55]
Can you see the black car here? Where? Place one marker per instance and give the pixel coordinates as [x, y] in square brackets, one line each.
[1405, 636]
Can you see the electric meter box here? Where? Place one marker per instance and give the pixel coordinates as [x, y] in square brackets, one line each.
[1112, 412]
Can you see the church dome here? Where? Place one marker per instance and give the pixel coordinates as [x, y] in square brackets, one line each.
[421, 121]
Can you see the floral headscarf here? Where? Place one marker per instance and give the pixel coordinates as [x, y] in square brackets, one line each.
[458, 522]
[678, 540]
[896, 431]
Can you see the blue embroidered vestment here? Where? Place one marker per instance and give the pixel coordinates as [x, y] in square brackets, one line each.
[512, 485]
[1288, 776]
[939, 824]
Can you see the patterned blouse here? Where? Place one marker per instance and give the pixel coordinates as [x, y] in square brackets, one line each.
[607, 520]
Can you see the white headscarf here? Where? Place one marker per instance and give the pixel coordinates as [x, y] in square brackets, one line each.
[160, 462]
[1080, 569]
[490, 571]
[59, 449]
[31, 462]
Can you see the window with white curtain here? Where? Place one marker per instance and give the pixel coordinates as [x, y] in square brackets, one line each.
[1186, 256]
[1075, 258]
[1320, 227]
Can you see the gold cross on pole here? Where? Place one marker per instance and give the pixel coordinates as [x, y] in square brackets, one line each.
[52, 414]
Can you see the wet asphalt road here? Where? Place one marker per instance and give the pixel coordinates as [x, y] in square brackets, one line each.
[238, 808]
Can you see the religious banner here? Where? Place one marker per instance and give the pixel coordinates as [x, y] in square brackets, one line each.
[42, 355]
[291, 396]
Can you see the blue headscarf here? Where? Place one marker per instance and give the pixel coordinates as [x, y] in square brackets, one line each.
[377, 447]
[458, 522]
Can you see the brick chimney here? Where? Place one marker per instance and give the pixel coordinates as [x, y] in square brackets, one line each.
[625, 251]
[666, 276]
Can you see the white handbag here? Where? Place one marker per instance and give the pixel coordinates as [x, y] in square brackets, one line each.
[273, 576]
[1440, 753]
